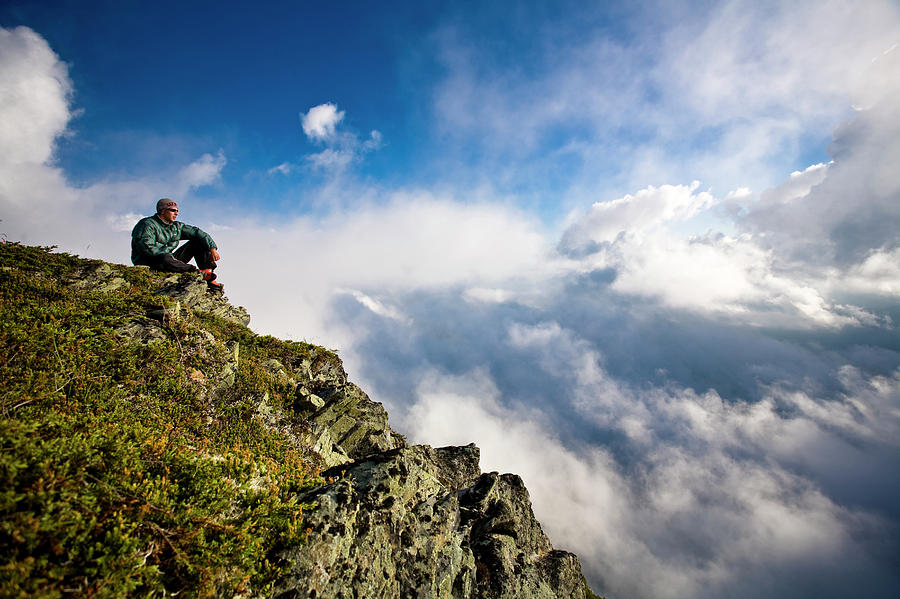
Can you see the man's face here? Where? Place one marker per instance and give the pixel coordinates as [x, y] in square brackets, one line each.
[168, 215]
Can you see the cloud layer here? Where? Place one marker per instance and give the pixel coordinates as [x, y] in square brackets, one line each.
[699, 385]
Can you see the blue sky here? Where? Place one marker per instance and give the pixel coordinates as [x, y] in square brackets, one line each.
[645, 254]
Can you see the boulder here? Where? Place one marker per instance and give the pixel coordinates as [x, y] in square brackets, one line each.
[424, 522]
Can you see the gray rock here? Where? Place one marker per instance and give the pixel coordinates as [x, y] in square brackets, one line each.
[400, 524]
[191, 291]
[98, 276]
[355, 422]
[392, 521]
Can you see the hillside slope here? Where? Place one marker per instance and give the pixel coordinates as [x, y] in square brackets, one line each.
[153, 445]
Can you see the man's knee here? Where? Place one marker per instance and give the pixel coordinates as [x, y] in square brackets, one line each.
[168, 263]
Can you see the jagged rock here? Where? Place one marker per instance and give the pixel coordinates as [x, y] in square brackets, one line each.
[514, 557]
[98, 276]
[191, 291]
[423, 522]
[392, 520]
[355, 422]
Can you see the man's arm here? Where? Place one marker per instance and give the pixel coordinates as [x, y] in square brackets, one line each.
[144, 238]
[192, 232]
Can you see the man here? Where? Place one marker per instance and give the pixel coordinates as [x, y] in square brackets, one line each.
[154, 238]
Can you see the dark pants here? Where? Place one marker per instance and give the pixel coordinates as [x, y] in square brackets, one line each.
[178, 262]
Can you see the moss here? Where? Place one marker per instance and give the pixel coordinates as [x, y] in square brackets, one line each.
[123, 473]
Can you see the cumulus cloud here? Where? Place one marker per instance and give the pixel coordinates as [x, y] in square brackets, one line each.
[832, 222]
[35, 93]
[637, 214]
[319, 122]
[342, 147]
[640, 238]
[696, 404]
[34, 98]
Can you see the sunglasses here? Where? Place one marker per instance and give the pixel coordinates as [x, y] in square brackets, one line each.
[175, 210]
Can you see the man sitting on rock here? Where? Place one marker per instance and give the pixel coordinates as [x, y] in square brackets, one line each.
[154, 239]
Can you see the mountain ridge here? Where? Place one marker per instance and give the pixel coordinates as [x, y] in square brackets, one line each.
[154, 445]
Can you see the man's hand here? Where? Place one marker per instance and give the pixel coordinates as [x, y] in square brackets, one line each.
[214, 254]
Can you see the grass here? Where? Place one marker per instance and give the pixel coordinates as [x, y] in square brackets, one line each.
[138, 468]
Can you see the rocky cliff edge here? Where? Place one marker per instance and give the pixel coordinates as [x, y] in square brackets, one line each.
[380, 518]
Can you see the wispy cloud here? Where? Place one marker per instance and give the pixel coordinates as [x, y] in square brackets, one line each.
[342, 147]
[723, 95]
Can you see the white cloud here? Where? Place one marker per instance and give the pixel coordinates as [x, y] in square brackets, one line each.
[320, 121]
[724, 95]
[487, 295]
[641, 237]
[702, 521]
[375, 141]
[376, 306]
[638, 214]
[414, 241]
[204, 171]
[320, 124]
[34, 98]
[879, 273]
[284, 168]
[35, 91]
[124, 222]
[330, 159]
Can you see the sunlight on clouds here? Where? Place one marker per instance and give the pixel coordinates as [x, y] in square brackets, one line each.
[639, 236]
[636, 214]
[879, 274]
[35, 91]
[724, 94]
[487, 295]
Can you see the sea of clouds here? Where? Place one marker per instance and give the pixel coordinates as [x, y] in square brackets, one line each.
[700, 389]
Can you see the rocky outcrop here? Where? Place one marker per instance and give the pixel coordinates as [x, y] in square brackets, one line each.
[187, 289]
[423, 522]
[390, 520]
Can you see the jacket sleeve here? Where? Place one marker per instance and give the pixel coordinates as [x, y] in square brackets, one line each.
[145, 239]
[192, 232]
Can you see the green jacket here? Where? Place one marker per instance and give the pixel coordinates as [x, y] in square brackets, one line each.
[153, 237]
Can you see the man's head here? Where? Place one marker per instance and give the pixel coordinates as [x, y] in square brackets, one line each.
[167, 210]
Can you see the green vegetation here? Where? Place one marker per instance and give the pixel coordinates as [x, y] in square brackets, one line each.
[137, 467]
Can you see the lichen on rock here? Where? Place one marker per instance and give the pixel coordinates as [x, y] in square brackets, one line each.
[424, 522]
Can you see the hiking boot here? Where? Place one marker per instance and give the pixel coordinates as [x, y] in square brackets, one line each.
[214, 287]
[208, 275]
